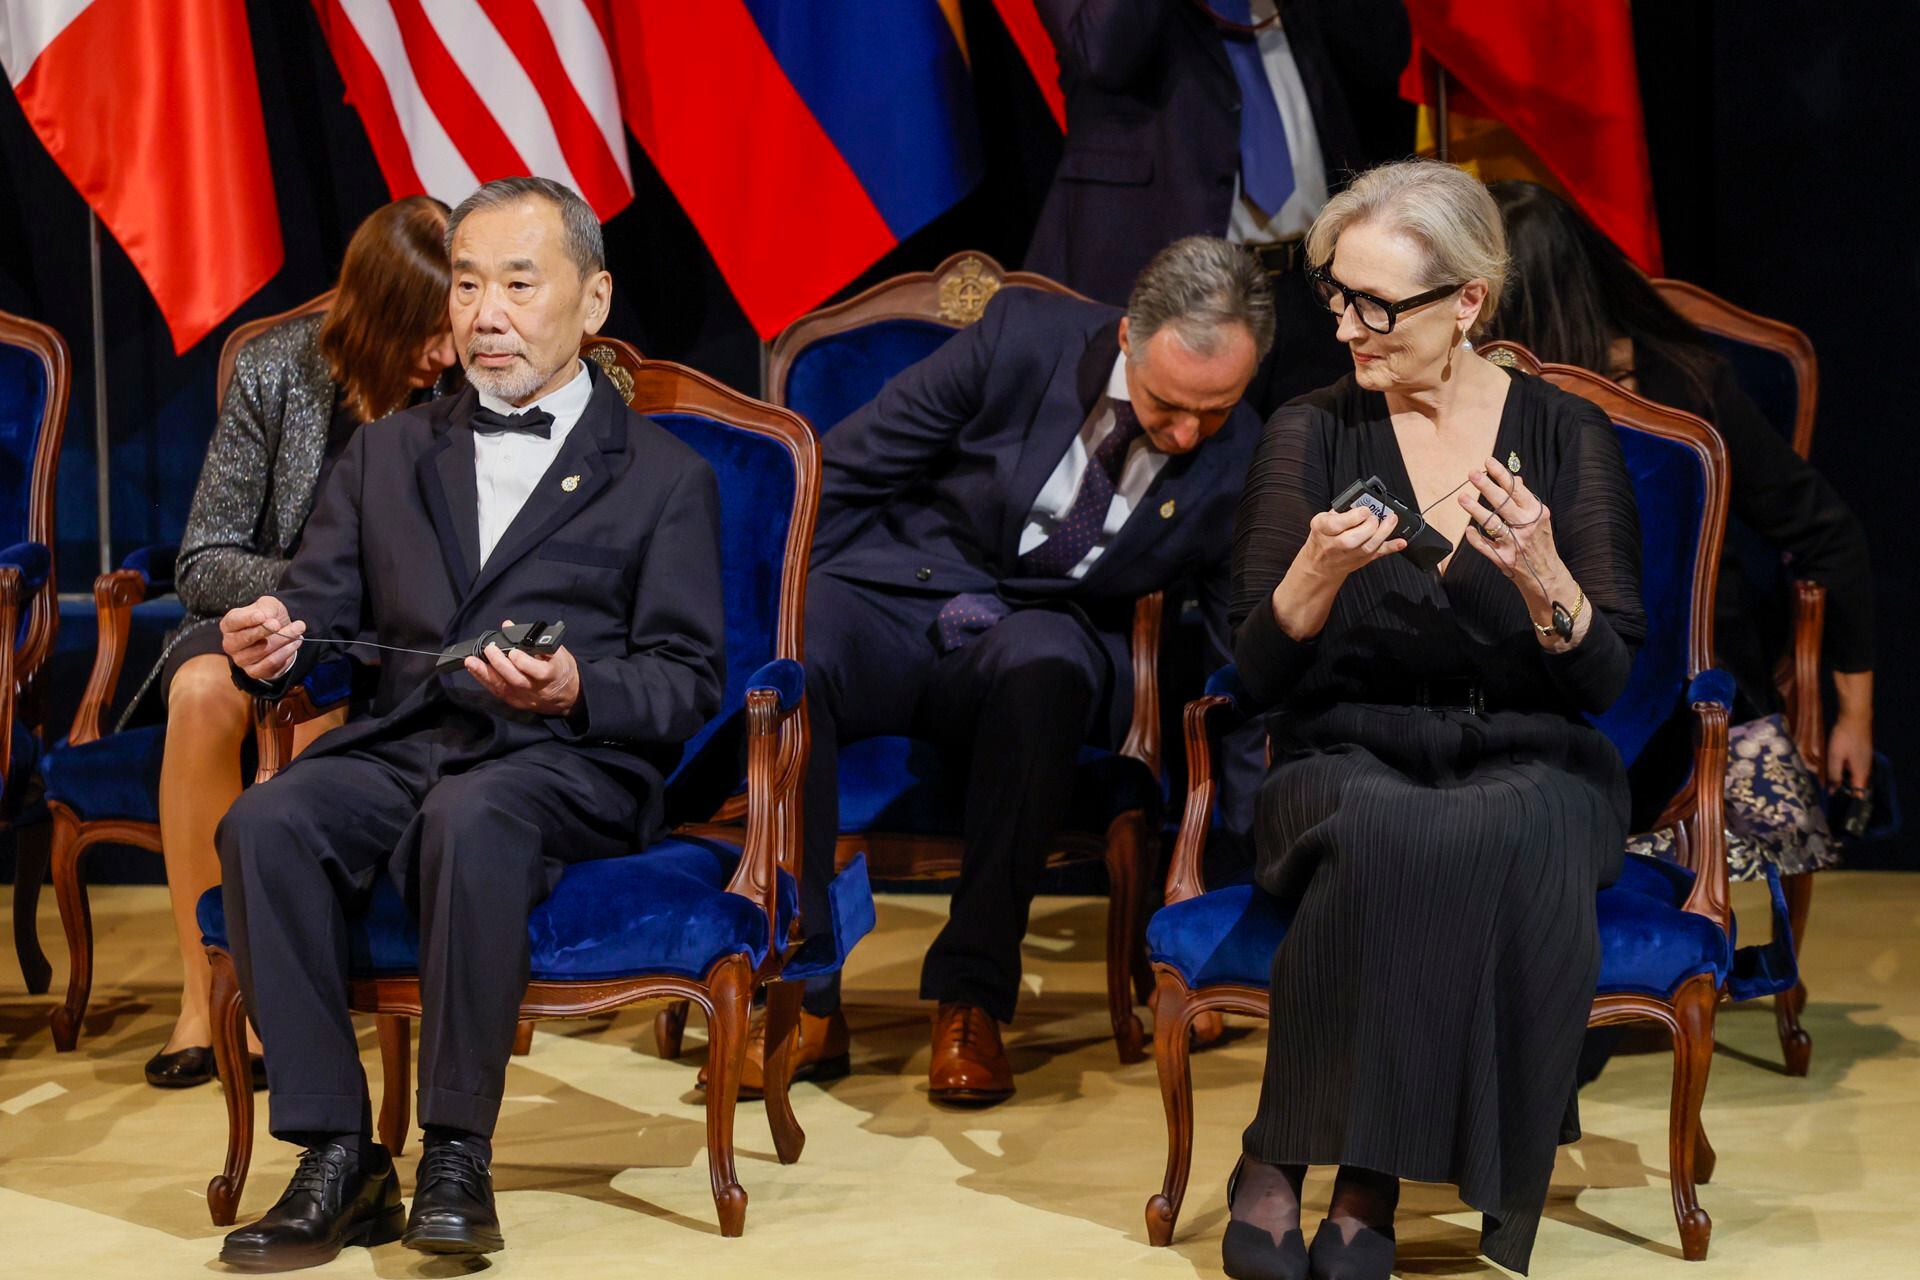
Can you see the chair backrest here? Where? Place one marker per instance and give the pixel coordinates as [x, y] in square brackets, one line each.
[36, 377]
[1679, 470]
[767, 461]
[1772, 361]
[241, 336]
[829, 362]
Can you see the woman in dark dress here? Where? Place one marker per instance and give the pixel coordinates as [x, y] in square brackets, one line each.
[1437, 808]
[1576, 299]
[299, 392]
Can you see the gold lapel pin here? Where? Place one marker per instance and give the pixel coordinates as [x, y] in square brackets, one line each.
[1513, 463]
[1166, 509]
[570, 484]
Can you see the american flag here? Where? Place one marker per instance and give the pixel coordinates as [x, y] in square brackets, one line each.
[454, 93]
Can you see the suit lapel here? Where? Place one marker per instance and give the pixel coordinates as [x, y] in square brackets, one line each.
[552, 502]
[1187, 474]
[446, 478]
[1063, 411]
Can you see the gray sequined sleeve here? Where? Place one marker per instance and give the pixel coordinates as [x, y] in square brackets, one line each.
[221, 566]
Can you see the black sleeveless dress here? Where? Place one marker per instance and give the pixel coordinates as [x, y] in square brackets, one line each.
[1430, 997]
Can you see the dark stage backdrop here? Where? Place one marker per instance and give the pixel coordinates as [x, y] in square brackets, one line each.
[1779, 174]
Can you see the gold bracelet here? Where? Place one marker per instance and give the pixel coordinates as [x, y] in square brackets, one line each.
[1553, 628]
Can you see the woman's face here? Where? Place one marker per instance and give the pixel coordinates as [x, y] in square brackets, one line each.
[1389, 265]
[436, 356]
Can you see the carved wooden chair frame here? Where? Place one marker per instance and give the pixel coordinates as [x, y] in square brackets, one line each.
[115, 593]
[1798, 675]
[20, 663]
[1696, 812]
[776, 759]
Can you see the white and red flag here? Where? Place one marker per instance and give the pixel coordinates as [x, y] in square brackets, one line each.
[454, 93]
[152, 110]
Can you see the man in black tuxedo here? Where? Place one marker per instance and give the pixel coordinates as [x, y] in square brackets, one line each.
[1230, 118]
[986, 524]
[535, 494]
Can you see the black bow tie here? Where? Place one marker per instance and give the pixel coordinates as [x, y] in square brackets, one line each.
[534, 422]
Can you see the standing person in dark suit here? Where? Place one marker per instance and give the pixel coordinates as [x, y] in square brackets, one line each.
[535, 494]
[986, 524]
[1219, 117]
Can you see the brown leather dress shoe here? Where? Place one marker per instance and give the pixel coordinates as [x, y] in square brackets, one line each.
[969, 1067]
[822, 1054]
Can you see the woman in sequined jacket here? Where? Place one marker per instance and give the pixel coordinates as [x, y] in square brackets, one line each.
[299, 392]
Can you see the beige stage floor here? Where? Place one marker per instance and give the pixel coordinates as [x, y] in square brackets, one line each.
[601, 1165]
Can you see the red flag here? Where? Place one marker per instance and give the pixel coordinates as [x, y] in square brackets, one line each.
[1563, 78]
[151, 109]
[1022, 21]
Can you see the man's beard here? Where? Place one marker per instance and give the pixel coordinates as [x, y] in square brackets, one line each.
[512, 383]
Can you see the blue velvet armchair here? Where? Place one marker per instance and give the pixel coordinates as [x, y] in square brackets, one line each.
[35, 380]
[1774, 364]
[900, 803]
[696, 916]
[104, 787]
[1667, 937]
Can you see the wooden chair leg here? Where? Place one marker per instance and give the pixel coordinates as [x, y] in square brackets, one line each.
[1796, 1046]
[1173, 1012]
[783, 1035]
[32, 852]
[523, 1039]
[1126, 872]
[1704, 1158]
[669, 1025]
[229, 1017]
[1692, 1059]
[396, 1079]
[730, 990]
[76, 919]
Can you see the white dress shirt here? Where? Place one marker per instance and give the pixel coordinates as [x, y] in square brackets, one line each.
[1248, 223]
[1143, 463]
[508, 464]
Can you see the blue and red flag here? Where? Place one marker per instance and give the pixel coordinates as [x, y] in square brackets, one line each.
[804, 138]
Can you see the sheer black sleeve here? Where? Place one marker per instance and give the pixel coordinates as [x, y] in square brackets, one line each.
[1596, 529]
[1287, 486]
[1780, 496]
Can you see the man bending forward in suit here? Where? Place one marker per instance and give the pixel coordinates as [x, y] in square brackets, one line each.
[534, 495]
[987, 523]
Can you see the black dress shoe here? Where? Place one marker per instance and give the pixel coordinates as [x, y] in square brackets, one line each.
[332, 1202]
[185, 1068]
[453, 1202]
[1368, 1256]
[1249, 1253]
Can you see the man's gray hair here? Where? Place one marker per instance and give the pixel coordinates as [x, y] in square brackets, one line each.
[1200, 286]
[584, 243]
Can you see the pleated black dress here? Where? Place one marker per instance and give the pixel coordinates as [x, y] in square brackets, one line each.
[1430, 998]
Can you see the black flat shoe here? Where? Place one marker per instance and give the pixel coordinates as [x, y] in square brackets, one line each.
[453, 1202]
[332, 1202]
[1368, 1256]
[1249, 1253]
[185, 1068]
[181, 1069]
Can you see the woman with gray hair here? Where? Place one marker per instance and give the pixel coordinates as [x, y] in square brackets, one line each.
[1438, 812]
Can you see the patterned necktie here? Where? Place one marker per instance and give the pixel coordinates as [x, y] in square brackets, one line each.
[534, 422]
[1266, 162]
[1081, 524]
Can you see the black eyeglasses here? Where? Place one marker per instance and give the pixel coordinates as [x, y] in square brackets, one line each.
[1376, 313]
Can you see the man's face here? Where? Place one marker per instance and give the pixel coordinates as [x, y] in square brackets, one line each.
[519, 304]
[1181, 397]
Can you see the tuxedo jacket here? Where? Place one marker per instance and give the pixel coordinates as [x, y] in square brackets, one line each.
[620, 540]
[928, 486]
[1153, 123]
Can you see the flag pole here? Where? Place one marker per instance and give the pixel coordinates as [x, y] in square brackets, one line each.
[1440, 122]
[103, 462]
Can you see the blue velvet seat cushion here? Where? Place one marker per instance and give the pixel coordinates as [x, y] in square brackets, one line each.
[904, 786]
[1648, 945]
[117, 776]
[664, 911]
